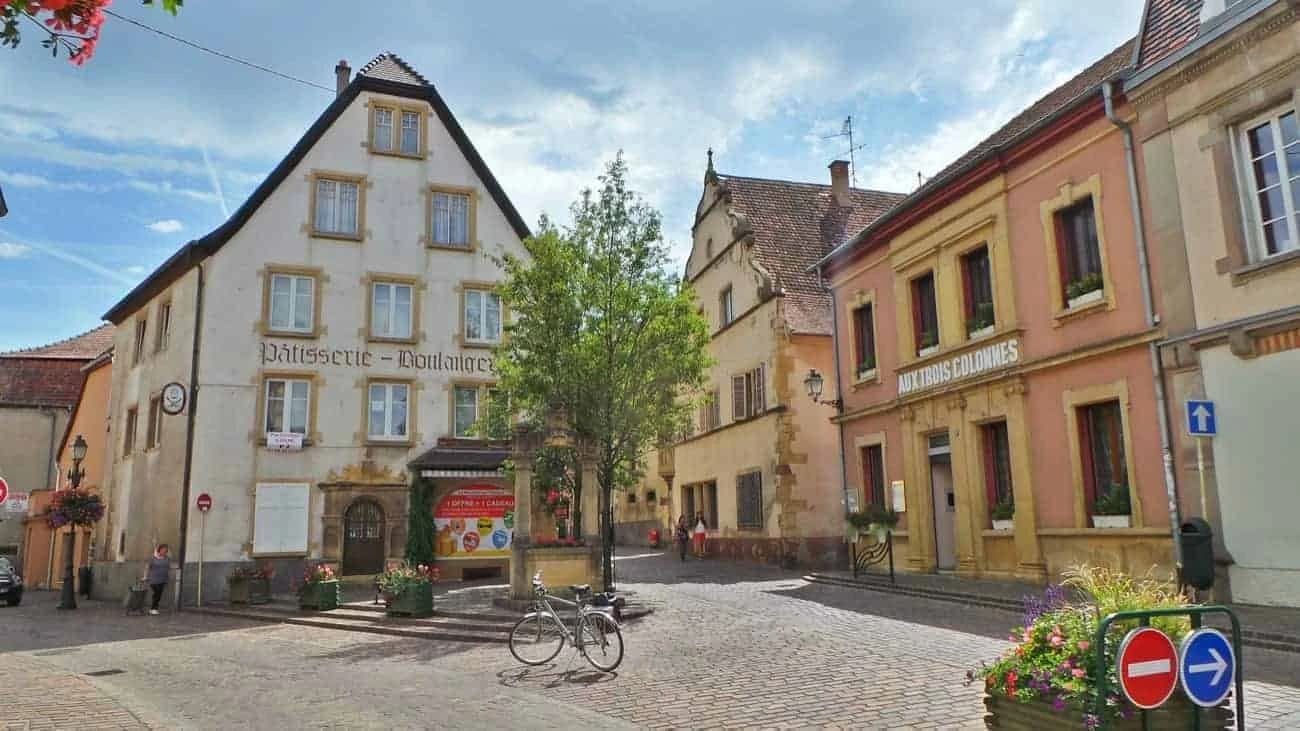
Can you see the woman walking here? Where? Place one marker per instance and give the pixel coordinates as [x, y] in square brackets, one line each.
[701, 534]
[156, 575]
[682, 535]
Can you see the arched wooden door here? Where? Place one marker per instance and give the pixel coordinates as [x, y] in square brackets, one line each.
[363, 538]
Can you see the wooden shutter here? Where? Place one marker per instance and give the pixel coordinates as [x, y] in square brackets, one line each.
[917, 324]
[990, 464]
[759, 403]
[739, 399]
[1084, 418]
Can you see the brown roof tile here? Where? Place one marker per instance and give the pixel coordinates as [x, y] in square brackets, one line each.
[391, 67]
[1167, 26]
[795, 224]
[40, 382]
[85, 346]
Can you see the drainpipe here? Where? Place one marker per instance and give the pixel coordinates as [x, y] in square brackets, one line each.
[1152, 318]
[839, 394]
[189, 438]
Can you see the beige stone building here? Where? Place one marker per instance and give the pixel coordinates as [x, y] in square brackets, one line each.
[763, 463]
[1215, 89]
[305, 361]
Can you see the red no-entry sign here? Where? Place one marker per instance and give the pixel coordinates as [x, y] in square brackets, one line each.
[4, 490]
[204, 502]
[1148, 667]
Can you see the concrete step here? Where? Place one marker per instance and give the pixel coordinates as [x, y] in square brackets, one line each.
[1269, 640]
[355, 620]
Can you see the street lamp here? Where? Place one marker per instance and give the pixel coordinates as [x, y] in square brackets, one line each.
[68, 598]
[814, 383]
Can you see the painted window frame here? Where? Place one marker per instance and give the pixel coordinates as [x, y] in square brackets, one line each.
[140, 338]
[864, 341]
[873, 468]
[398, 112]
[130, 423]
[1249, 192]
[919, 320]
[995, 443]
[726, 306]
[162, 333]
[1067, 196]
[153, 424]
[1087, 418]
[268, 288]
[338, 177]
[970, 284]
[1072, 401]
[483, 396]
[484, 290]
[471, 222]
[288, 377]
[372, 281]
[749, 393]
[389, 387]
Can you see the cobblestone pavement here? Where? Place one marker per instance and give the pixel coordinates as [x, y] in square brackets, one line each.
[728, 646]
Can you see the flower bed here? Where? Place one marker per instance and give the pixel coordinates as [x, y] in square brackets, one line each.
[1050, 678]
[250, 585]
[408, 590]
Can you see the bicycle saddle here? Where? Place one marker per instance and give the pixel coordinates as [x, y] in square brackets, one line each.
[580, 588]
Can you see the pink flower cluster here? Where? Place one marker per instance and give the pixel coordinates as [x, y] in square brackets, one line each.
[77, 22]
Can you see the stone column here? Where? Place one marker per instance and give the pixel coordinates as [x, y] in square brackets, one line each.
[590, 529]
[520, 581]
[1029, 551]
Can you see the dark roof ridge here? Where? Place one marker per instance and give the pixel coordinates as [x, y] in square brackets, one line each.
[396, 59]
[34, 351]
[783, 181]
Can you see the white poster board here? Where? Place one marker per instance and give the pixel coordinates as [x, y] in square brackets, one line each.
[899, 496]
[281, 517]
[18, 502]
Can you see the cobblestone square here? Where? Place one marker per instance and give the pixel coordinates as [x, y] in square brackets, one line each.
[728, 646]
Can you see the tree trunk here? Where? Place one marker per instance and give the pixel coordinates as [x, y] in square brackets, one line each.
[606, 527]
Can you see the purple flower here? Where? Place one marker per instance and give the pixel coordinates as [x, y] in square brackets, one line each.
[1058, 705]
[1091, 721]
[1126, 713]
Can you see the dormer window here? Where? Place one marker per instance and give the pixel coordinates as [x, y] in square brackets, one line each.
[396, 130]
[1211, 9]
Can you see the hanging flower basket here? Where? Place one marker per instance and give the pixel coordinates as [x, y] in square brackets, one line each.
[74, 507]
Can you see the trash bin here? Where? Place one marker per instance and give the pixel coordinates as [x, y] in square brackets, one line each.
[1198, 553]
[85, 577]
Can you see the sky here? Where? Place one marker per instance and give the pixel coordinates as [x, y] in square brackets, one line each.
[110, 168]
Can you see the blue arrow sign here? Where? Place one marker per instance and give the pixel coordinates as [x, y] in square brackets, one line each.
[1207, 666]
[1201, 421]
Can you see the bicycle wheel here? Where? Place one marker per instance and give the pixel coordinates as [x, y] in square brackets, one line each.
[536, 639]
[601, 641]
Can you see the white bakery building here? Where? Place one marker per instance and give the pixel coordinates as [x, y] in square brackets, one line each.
[331, 342]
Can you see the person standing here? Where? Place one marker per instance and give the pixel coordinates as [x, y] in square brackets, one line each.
[682, 534]
[156, 575]
[701, 534]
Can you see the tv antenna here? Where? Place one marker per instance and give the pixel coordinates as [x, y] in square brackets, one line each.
[847, 131]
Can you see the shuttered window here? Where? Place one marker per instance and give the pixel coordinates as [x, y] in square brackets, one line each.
[749, 500]
[749, 394]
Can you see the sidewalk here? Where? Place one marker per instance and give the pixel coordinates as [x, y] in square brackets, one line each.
[1274, 628]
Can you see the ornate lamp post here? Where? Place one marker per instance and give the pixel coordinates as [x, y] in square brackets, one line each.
[813, 382]
[68, 598]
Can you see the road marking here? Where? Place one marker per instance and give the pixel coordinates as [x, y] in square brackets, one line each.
[1150, 667]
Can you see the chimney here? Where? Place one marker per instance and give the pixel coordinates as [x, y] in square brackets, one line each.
[342, 75]
[840, 183]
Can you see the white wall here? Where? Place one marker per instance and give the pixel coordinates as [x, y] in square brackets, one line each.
[1257, 403]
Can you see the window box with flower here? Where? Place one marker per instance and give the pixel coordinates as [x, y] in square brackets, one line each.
[408, 590]
[1084, 291]
[1112, 510]
[250, 584]
[1003, 515]
[1049, 678]
[320, 588]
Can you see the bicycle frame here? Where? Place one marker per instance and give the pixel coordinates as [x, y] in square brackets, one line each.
[542, 606]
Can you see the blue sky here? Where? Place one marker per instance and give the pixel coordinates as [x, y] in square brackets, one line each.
[109, 168]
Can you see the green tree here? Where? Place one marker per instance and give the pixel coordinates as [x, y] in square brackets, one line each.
[605, 331]
[419, 523]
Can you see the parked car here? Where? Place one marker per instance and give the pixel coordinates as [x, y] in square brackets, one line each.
[11, 584]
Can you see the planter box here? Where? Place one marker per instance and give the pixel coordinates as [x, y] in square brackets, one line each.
[415, 601]
[1111, 521]
[983, 332]
[930, 350]
[249, 591]
[866, 375]
[321, 596]
[1175, 715]
[1008, 524]
[1086, 298]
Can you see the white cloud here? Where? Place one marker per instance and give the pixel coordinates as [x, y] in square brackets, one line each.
[69, 257]
[10, 250]
[166, 226]
[166, 188]
[135, 270]
[27, 180]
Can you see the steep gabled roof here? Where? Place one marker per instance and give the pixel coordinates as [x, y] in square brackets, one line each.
[1174, 29]
[409, 84]
[86, 346]
[1060, 100]
[794, 225]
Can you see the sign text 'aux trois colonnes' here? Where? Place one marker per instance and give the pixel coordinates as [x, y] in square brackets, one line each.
[960, 367]
[405, 358]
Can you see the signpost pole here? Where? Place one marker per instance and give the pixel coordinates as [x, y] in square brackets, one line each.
[1200, 471]
[203, 524]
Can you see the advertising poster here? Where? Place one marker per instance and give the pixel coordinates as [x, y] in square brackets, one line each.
[477, 521]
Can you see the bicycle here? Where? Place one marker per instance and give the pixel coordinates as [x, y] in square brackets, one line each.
[540, 635]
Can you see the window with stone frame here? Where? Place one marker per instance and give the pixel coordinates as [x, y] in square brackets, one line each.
[873, 474]
[1079, 252]
[997, 464]
[977, 290]
[925, 314]
[337, 207]
[749, 500]
[388, 411]
[128, 431]
[153, 427]
[291, 303]
[392, 310]
[1269, 148]
[449, 219]
[287, 405]
[141, 327]
[1101, 443]
[482, 316]
[864, 339]
[163, 332]
[749, 394]
[726, 307]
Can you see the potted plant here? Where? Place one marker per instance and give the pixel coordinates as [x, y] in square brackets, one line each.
[1112, 509]
[929, 342]
[980, 323]
[408, 590]
[867, 368]
[1002, 515]
[1084, 290]
[1051, 677]
[875, 520]
[320, 588]
[250, 584]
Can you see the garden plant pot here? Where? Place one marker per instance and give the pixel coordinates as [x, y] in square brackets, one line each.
[1175, 715]
[249, 591]
[1004, 524]
[414, 601]
[1086, 298]
[1110, 521]
[321, 596]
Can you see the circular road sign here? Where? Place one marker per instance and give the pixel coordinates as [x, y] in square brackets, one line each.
[204, 502]
[1207, 666]
[1148, 667]
[4, 490]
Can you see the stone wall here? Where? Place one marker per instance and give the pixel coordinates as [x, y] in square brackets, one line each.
[637, 533]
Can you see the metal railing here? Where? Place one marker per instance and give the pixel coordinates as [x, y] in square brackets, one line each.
[878, 552]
